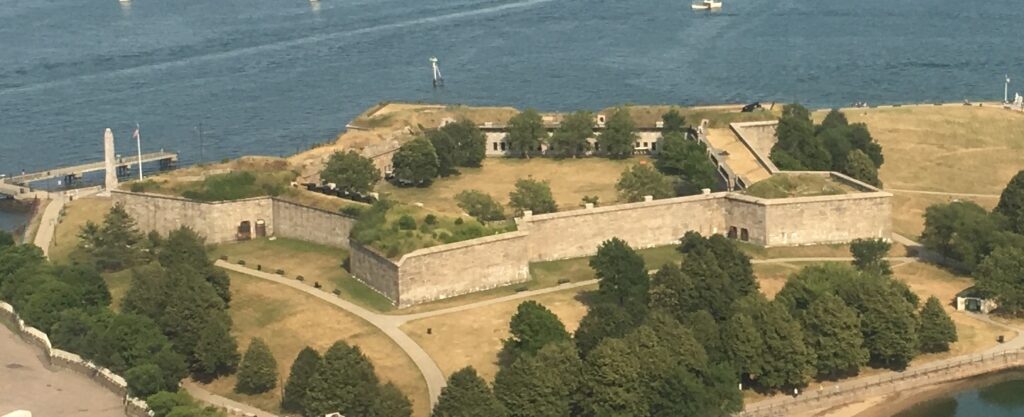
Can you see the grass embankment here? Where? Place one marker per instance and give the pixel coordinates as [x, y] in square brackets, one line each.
[717, 116]
[288, 320]
[570, 181]
[76, 214]
[957, 149]
[798, 185]
[397, 229]
[315, 263]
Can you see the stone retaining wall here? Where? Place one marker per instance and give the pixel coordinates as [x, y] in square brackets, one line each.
[300, 222]
[134, 407]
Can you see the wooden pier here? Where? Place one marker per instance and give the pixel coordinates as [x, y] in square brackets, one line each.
[123, 164]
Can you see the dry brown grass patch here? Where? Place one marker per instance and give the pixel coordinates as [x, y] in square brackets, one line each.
[475, 337]
[76, 214]
[289, 320]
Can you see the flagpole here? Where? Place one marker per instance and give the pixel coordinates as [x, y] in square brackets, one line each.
[138, 145]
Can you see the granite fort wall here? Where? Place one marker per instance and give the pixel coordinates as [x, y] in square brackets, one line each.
[295, 221]
[134, 407]
[217, 221]
[759, 137]
[463, 267]
[374, 269]
[577, 233]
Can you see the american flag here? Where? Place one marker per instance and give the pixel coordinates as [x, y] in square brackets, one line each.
[135, 135]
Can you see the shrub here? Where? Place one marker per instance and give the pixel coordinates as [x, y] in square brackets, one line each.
[353, 211]
[279, 272]
[458, 221]
[300, 278]
[564, 281]
[532, 195]
[425, 229]
[444, 236]
[337, 291]
[223, 257]
[480, 205]
[241, 262]
[430, 219]
[259, 267]
[406, 222]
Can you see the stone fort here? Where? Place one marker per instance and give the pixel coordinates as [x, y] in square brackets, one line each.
[464, 267]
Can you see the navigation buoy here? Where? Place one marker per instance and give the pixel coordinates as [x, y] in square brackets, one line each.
[438, 79]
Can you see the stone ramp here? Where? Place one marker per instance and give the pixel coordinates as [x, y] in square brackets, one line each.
[740, 159]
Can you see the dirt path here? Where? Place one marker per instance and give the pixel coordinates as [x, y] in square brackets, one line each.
[233, 407]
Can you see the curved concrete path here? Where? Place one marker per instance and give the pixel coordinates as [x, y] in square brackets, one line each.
[390, 324]
[231, 406]
[428, 368]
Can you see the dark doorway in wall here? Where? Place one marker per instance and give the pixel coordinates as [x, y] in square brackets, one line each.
[744, 235]
[261, 228]
[245, 230]
[732, 232]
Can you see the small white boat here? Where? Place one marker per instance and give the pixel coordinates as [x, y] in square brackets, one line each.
[707, 5]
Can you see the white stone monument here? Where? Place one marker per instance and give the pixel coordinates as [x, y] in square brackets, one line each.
[108, 159]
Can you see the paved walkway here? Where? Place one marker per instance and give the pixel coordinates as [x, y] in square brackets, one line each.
[390, 324]
[51, 215]
[27, 383]
[231, 406]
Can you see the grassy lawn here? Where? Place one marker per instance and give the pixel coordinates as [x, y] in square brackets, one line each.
[462, 339]
[801, 185]
[927, 280]
[316, 263]
[949, 148]
[76, 214]
[289, 320]
[908, 210]
[117, 283]
[570, 180]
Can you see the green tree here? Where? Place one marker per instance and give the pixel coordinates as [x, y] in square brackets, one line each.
[216, 351]
[43, 306]
[114, 245]
[888, 319]
[543, 385]
[964, 232]
[531, 328]
[73, 327]
[860, 166]
[184, 251]
[834, 335]
[458, 144]
[303, 369]
[798, 148]
[467, 395]
[936, 330]
[573, 134]
[835, 119]
[673, 291]
[860, 138]
[163, 402]
[1001, 275]
[415, 163]
[613, 381]
[526, 132]
[6, 239]
[703, 323]
[788, 362]
[642, 180]
[604, 320]
[480, 205]
[345, 383]
[88, 282]
[144, 380]
[689, 160]
[257, 372]
[351, 171]
[619, 136]
[869, 255]
[533, 195]
[623, 276]
[1011, 203]
[391, 402]
[745, 346]
[673, 123]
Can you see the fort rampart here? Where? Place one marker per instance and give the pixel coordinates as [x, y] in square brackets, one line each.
[226, 221]
[474, 265]
[134, 407]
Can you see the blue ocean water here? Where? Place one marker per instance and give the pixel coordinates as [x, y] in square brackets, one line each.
[273, 77]
[994, 396]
